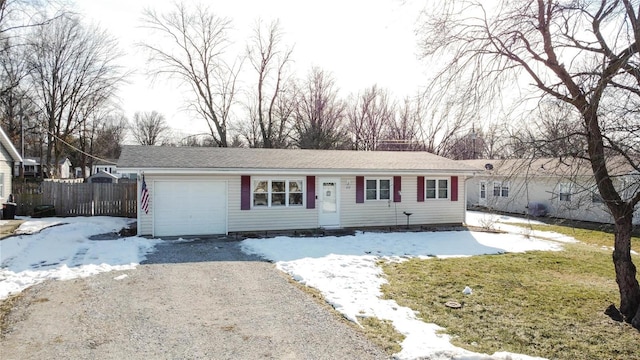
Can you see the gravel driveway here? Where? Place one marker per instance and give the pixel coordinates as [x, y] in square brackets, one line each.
[191, 300]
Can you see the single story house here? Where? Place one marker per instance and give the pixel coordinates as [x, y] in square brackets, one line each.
[107, 165]
[196, 191]
[32, 168]
[8, 157]
[562, 188]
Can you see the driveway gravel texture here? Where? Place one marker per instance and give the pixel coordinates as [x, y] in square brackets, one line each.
[199, 299]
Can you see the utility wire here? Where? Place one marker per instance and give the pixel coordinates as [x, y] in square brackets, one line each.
[80, 151]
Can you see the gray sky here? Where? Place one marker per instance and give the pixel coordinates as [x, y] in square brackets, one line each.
[361, 42]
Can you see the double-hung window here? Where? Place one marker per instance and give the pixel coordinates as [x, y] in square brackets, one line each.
[501, 189]
[565, 192]
[277, 193]
[378, 189]
[436, 188]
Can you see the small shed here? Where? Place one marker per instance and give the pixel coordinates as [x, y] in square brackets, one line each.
[102, 177]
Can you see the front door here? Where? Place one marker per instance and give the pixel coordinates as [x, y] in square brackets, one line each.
[482, 200]
[329, 214]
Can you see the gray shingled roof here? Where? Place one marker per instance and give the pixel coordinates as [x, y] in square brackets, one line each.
[565, 167]
[161, 157]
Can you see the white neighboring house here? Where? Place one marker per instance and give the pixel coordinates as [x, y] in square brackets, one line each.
[8, 157]
[564, 189]
[32, 168]
[108, 166]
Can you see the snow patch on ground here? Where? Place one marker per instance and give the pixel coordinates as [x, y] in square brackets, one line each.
[502, 223]
[61, 249]
[344, 269]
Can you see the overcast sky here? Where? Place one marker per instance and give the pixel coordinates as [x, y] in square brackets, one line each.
[362, 42]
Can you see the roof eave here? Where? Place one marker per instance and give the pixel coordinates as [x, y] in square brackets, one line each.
[9, 146]
[260, 171]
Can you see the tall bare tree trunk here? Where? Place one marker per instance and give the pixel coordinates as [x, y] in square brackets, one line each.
[626, 270]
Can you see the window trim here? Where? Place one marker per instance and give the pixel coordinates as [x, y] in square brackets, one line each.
[377, 180]
[501, 186]
[565, 192]
[270, 193]
[437, 188]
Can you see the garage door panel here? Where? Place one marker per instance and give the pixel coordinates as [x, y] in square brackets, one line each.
[190, 208]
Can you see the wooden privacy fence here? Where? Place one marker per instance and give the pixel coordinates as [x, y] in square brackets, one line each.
[77, 199]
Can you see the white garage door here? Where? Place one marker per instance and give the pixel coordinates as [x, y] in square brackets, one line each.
[189, 208]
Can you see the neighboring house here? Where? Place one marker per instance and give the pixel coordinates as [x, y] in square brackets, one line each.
[560, 188]
[78, 173]
[32, 168]
[107, 165]
[102, 177]
[194, 191]
[8, 157]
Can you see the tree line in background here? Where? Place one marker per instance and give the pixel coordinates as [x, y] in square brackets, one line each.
[532, 79]
[60, 78]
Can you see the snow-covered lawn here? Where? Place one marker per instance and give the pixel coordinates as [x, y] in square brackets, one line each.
[344, 268]
[59, 248]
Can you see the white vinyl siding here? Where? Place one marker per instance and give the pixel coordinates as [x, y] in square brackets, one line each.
[277, 218]
[384, 213]
[5, 174]
[370, 213]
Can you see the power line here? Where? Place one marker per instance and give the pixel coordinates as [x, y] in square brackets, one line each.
[81, 151]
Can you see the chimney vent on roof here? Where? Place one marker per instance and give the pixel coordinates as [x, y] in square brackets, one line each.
[489, 166]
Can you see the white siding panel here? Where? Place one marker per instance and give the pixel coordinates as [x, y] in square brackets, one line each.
[542, 190]
[264, 219]
[385, 213]
[5, 168]
[370, 213]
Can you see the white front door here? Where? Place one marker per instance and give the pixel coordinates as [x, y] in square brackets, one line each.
[329, 214]
[482, 199]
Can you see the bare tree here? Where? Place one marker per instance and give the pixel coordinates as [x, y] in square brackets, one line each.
[467, 146]
[444, 116]
[73, 72]
[319, 113]
[583, 53]
[109, 136]
[270, 62]
[553, 129]
[496, 139]
[149, 128]
[370, 114]
[190, 48]
[404, 131]
[16, 105]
